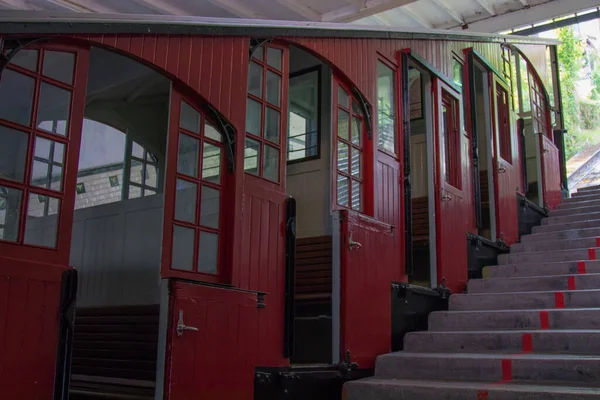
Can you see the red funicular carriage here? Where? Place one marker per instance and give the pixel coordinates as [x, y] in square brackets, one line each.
[229, 204]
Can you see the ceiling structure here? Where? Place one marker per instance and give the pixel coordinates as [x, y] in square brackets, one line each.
[475, 15]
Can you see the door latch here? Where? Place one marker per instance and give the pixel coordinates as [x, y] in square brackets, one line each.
[501, 170]
[352, 244]
[181, 327]
[446, 198]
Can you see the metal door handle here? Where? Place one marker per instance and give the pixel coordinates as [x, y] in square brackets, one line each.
[546, 150]
[446, 198]
[181, 327]
[352, 244]
[501, 170]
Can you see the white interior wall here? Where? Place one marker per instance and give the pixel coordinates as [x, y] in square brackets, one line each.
[531, 149]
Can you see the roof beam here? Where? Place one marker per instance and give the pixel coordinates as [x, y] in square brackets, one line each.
[417, 18]
[236, 8]
[488, 7]
[305, 11]
[455, 16]
[363, 9]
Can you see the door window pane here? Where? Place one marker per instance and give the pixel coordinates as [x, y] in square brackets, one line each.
[26, 58]
[343, 97]
[208, 253]
[59, 65]
[253, 117]
[16, 97]
[385, 108]
[47, 164]
[255, 76]
[274, 57]
[187, 158]
[343, 154]
[356, 130]
[272, 125]
[356, 163]
[211, 163]
[41, 225]
[189, 118]
[356, 196]
[53, 109]
[343, 187]
[209, 208]
[10, 210]
[137, 150]
[151, 176]
[13, 153]
[273, 88]
[185, 201]
[303, 117]
[212, 133]
[271, 164]
[183, 248]
[251, 156]
[134, 192]
[343, 121]
[259, 53]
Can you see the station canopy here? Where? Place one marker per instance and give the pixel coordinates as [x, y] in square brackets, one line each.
[476, 15]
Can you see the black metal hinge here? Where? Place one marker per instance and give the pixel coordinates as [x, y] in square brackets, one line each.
[255, 44]
[228, 134]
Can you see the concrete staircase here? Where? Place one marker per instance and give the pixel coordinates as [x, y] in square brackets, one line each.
[529, 330]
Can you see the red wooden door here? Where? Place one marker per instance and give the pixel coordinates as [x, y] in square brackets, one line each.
[551, 188]
[211, 343]
[451, 209]
[505, 173]
[42, 95]
[369, 255]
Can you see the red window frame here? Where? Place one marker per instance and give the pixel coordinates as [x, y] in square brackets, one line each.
[540, 108]
[60, 253]
[261, 58]
[451, 147]
[503, 122]
[173, 175]
[352, 109]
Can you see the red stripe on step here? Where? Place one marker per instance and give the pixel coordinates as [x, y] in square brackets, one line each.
[559, 302]
[572, 283]
[483, 395]
[544, 320]
[592, 254]
[598, 242]
[507, 370]
[527, 342]
[581, 267]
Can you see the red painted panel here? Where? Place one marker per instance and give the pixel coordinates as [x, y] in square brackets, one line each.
[366, 276]
[217, 361]
[550, 172]
[29, 307]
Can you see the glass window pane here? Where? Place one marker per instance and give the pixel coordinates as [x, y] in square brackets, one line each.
[135, 192]
[342, 157]
[13, 153]
[356, 196]
[457, 73]
[274, 57]
[208, 254]
[251, 156]
[186, 196]
[343, 121]
[271, 164]
[47, 164]
[211, 163]
[136, 174]
[356, 130]
[59, 65]
[10, 210]
[187, 157]
[303, 117]
[272, 125]
[255, 77]
[137, 151]
[151, 178]
[41, 225]
[53, 109]
[211, 132]
[273, 88]
[343, 187]
[26, 58]
[189, 118]
[385, 109]
[182, 256]
[356, 163]
[16, 97]
[343, 97]
[356, 109]
[259, 53]
[253, 117]
[209, 207]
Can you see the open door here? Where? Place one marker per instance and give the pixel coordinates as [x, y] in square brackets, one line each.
[507, 179]
[450, 207]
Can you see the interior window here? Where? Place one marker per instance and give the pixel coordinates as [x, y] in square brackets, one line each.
[502, 111]
[303, 121]
[415, 84]
[386, 108]
[450, 140]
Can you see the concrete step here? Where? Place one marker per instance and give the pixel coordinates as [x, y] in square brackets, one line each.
[571, 218]
[547, 256]
[561, 212]
[408, 389]
[541, 269]
[535, 284]
[490, 367]
[561, 235]
[564, 244]
[549, 342]
[498, 320]
[585, 193]
[588, 188]
[566, 226]
[525, 300]
[577, 204]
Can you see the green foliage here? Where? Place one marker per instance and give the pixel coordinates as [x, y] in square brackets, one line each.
[589, 114]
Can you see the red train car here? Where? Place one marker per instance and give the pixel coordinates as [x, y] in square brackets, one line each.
[220, 208]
